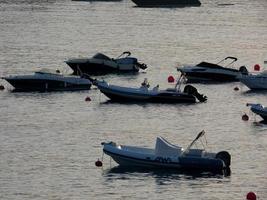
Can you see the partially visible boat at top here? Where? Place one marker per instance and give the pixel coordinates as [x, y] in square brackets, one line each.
[259, 109]
[209, 72]
[101, 64]
[47, 80]
[144, 94]
[169, 156]
[166, 3]
[255, 81]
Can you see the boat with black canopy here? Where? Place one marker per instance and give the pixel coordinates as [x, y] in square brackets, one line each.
[210, 72]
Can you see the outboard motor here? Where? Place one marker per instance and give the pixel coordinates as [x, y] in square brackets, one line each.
[141, 65]
[225, 157]
[243, 70]
[189, 89]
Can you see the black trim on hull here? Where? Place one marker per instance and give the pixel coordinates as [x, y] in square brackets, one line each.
[45, 85]
[96, 69]
[212, 77]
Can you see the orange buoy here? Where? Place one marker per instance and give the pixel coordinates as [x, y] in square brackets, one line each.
[170, 79]
[251, 196]
[257, 67]
[87, 99]
[236, 88]
[2, 87]
[245, 117]
[98, 163]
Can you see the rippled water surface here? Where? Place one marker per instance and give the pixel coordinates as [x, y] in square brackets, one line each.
[50, 141]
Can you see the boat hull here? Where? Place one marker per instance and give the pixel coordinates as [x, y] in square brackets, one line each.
[254, 82]
[130, 96]
[211, 77]
[259, 110]
[166, 3]
[182, 163]
[25, 85]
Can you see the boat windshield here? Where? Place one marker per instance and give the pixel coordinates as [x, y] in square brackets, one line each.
[209, 65]
[48, 71]
[101, 56]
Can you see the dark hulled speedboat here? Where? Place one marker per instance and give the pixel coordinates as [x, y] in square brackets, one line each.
[209, 72]
[144, 94]
[45, 81]
[101, 64]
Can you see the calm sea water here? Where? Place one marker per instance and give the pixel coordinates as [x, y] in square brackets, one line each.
[50, 141]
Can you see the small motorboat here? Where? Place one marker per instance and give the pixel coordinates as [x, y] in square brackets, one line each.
[47, 80]
[209, 72]
[259, 109]
[144, 94]
[166, 3]
[166, 155]
[101, 64]
[255, 81]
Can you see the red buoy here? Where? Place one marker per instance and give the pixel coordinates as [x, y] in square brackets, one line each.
[2, 87]
[170, 79]
[98, 163]
[257, 67]
[236, 88]
[251, 196]
[245, 117]
[87, 99]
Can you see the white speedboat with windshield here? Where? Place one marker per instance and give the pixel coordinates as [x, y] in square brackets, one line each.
[166, 155]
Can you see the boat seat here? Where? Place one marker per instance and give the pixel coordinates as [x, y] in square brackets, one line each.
[165, 149]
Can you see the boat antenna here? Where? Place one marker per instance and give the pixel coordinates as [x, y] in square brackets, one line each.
[178, 83]
[193, 142]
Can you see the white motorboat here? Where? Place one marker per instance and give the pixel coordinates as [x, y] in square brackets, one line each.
[259, 109]
[101, 64]
[144, 94]
[255, 81]
[209, 72]
[166, 155]
[48, 80]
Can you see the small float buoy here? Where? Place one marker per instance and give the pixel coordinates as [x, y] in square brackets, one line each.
[245, 117]
[251, 196]
[170, 79]
[98, 163]
[257, 67]
[87, 99]
[2, 87]
[236, 88]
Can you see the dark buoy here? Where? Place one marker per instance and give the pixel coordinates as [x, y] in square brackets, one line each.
[2, 87]
[236, 88]
[257, 67]
[98, 163]
[87, 99]
[245, 117]
[170, 79]
[251, 196]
